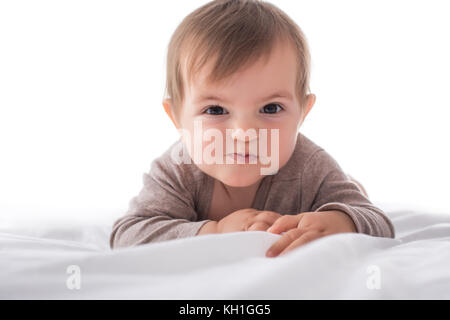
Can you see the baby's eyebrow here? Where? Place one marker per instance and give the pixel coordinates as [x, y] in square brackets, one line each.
[279, 94]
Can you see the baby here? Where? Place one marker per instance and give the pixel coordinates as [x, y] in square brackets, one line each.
[238, 92]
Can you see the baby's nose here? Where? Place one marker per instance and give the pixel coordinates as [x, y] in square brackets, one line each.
[244, 134]
[243, 130]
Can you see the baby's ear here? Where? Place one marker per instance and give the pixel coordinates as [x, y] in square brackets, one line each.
[310, 101]
[168, 107]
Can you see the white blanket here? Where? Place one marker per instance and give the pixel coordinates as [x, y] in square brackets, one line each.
[75, 262]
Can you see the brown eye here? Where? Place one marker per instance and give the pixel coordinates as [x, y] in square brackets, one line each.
[216, 111]
[272, 108]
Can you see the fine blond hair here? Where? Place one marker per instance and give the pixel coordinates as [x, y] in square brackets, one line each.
[235, 33]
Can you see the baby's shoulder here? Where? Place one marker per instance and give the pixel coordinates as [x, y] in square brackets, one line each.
[174, 166]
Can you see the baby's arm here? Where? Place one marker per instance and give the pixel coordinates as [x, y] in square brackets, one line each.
[242, 220]
[163, 210]
[325, 187]
[331, 203]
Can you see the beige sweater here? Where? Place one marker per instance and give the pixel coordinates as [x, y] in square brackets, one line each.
[175, 198]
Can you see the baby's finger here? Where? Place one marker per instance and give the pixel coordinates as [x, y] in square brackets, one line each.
[285, 223]
[258, 226]
[268, 217]
[284, 242]
[304, 239]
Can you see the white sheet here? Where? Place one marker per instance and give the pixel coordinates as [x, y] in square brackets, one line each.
[416, 265]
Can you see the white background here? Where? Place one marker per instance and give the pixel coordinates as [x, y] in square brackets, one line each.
[81, 86]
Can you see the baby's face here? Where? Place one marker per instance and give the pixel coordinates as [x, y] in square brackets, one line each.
[259, 97]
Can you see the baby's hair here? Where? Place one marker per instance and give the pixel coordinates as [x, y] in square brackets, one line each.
[235, 33]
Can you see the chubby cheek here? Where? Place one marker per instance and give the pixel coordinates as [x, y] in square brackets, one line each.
[288, 140]
[203, 152]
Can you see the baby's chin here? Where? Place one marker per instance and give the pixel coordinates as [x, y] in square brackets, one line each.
[237, 176]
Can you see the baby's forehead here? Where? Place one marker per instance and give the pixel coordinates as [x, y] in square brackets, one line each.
[222, 64]
[274, 70]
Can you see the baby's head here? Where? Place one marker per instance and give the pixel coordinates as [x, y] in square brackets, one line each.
[238, 64]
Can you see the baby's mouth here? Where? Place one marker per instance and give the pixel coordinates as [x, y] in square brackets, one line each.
[243, 158]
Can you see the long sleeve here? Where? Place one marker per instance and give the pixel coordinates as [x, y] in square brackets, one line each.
[326, 187]
[163, 210]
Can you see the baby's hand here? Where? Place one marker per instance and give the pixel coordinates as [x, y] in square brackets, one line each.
[247, 220]
[305, 227]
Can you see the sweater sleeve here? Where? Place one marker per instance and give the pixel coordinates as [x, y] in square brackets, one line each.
[326, 187]
[163, 210]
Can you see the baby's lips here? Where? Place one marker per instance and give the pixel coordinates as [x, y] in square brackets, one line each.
[242, 155]
[250, 157]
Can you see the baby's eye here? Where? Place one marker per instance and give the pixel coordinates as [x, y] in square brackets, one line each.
[216, 111]
[272, 108]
